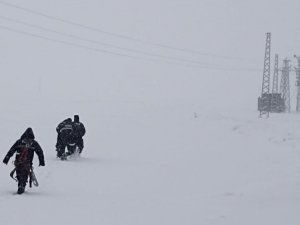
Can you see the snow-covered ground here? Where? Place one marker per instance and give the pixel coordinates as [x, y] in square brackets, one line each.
[164, 164]
[166, 144]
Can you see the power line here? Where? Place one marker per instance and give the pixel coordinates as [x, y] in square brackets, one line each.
[106, 44]
[68, 43]
[118, 35]
[121, 54]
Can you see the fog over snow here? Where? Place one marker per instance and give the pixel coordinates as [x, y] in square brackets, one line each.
[167, 91]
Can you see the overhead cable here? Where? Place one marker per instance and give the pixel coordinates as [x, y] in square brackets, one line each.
[124, 55]
[105, 44]
[118, 35]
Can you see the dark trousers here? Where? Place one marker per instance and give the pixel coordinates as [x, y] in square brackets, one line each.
[22, 171]
[61, 144]
[80, 144]
[70, 142]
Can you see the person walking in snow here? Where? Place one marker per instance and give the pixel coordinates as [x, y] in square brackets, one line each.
[78, 133]
[64, 131]
[69, 135]
[25, 147]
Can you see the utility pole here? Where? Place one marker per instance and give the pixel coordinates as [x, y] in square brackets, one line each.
[285, 85]
[298, 83]
[264, 101]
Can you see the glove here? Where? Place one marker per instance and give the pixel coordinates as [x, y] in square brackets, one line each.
[5, 160]
[42, 163]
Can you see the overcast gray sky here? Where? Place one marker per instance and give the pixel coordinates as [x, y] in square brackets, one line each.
[139, 38]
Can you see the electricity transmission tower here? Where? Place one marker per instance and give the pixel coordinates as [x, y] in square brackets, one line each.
[275, 76]
[285, 85]
[264, 101]
[277, 103]
[298, 83]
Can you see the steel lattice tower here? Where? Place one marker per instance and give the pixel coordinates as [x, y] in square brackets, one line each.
[298, 83]
[285, 85]
[265, 97]
[275, 97]
[275, 76]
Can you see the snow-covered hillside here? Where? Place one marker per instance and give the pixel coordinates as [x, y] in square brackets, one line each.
[169, 141]
[166, 165]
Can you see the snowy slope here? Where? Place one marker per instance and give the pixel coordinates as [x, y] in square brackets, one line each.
[170, 168]
[166, 143]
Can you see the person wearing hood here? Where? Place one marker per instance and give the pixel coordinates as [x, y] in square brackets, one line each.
[78, 133]
[25, 147]
[64, 131]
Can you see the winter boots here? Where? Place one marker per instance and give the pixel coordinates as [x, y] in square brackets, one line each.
[21, 189]
[59, 152]
[21, 186]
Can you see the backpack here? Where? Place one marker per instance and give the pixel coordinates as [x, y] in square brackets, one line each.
[22, 157]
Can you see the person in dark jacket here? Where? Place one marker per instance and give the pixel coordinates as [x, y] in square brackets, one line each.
[78, 133]
[25, 147]
[64, 134]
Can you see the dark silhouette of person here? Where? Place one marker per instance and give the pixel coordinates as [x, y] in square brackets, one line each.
[25, 147]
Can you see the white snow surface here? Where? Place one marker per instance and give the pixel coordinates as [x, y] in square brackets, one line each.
[166, 144]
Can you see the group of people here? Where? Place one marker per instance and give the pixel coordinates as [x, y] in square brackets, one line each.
[69, 136]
